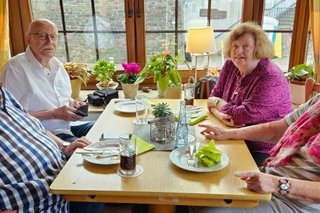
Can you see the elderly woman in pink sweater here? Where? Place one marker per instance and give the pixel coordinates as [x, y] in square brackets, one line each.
[251, 89]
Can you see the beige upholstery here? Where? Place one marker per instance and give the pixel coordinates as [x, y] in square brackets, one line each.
[310, 87]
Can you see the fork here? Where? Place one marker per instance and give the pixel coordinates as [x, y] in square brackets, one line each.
[191, 160]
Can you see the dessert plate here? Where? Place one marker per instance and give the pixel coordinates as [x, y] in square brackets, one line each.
[179, 157]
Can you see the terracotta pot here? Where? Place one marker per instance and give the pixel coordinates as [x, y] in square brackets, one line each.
[130, 90]
[75, 88]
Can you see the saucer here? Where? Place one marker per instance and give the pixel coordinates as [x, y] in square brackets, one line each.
[138, 171]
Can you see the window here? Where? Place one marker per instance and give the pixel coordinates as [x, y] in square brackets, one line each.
[132, 30]
[278, 23]
[92, 29]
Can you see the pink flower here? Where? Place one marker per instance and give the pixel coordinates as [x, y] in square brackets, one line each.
[131, 68]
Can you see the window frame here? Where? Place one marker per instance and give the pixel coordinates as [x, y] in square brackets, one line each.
[252, 11]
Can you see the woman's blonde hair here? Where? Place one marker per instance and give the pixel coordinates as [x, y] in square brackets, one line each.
[263, 47]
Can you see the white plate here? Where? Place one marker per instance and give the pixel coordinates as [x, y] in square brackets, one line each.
[107, 148]
[114, 85]
[179, 157]
[130, 106]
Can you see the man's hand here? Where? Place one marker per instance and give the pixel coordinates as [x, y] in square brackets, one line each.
[259, 182]
[79, 143]
[76, 104]
[66, 113]
[214, 132]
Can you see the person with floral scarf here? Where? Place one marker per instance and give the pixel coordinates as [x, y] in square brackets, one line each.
[292, 172]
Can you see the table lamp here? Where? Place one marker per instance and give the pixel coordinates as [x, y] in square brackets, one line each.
[200, 42]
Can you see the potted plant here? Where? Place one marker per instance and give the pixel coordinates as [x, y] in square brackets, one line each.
[299, 73]
[128, 79]
[162, 127]
[78, 74]
[103, 70]
[163, 68]
[297, 77]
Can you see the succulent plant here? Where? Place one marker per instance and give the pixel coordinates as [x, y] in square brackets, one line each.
[161, 110]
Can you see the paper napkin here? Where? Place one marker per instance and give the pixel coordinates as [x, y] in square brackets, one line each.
[142, 146]
[193, 121]
[197, 120]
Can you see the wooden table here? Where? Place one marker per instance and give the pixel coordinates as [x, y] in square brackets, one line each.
[162, 184]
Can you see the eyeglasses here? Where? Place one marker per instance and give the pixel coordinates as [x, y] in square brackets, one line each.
[45, 36]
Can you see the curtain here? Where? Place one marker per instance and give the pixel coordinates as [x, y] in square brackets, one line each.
[4, 33]
[315, 33]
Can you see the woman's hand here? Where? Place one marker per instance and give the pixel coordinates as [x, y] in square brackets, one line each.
[260, 182]
[79, 143]
[214, 132]
[211, 103]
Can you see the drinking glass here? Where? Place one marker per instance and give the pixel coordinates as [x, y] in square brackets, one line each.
[141, 111]
[127, 155]
[189, 92]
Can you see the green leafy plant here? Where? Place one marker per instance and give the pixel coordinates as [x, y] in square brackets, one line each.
[104, 70]
[77, 71]
[163, 68]
[300, 72]
[161, 110]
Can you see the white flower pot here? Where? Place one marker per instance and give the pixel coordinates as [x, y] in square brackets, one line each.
[130, 90]
[297, 93]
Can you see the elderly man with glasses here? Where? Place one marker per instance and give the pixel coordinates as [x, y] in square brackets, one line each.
[40, 83]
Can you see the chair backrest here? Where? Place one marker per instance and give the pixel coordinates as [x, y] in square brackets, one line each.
[310, 87]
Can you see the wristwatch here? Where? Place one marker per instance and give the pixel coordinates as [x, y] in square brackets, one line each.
[64, 145]
[284, 186]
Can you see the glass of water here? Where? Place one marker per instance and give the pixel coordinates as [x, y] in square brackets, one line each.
[141, 111]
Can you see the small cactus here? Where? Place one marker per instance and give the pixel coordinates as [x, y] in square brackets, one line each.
[161, 110]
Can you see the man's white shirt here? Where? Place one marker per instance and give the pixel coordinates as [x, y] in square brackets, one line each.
[37, 88]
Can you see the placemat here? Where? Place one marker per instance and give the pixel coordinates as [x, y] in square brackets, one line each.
[144, 133]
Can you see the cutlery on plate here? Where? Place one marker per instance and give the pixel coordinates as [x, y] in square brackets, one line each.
[196, 148]
[98, 151]
[107, 155]
[87, 152]
[191, 160]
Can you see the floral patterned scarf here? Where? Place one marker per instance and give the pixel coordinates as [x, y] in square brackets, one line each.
[304, 132]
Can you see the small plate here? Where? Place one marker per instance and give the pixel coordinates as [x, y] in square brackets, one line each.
[179, 157]
[130, 106]
[107, 148]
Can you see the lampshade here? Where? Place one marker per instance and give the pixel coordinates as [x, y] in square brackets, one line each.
[200, 40]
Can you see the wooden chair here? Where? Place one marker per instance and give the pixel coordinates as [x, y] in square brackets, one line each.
[310, 87]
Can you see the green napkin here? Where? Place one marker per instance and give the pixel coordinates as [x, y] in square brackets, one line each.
[142, 146]
[193, 121]
[151, 102]
[197, 120]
